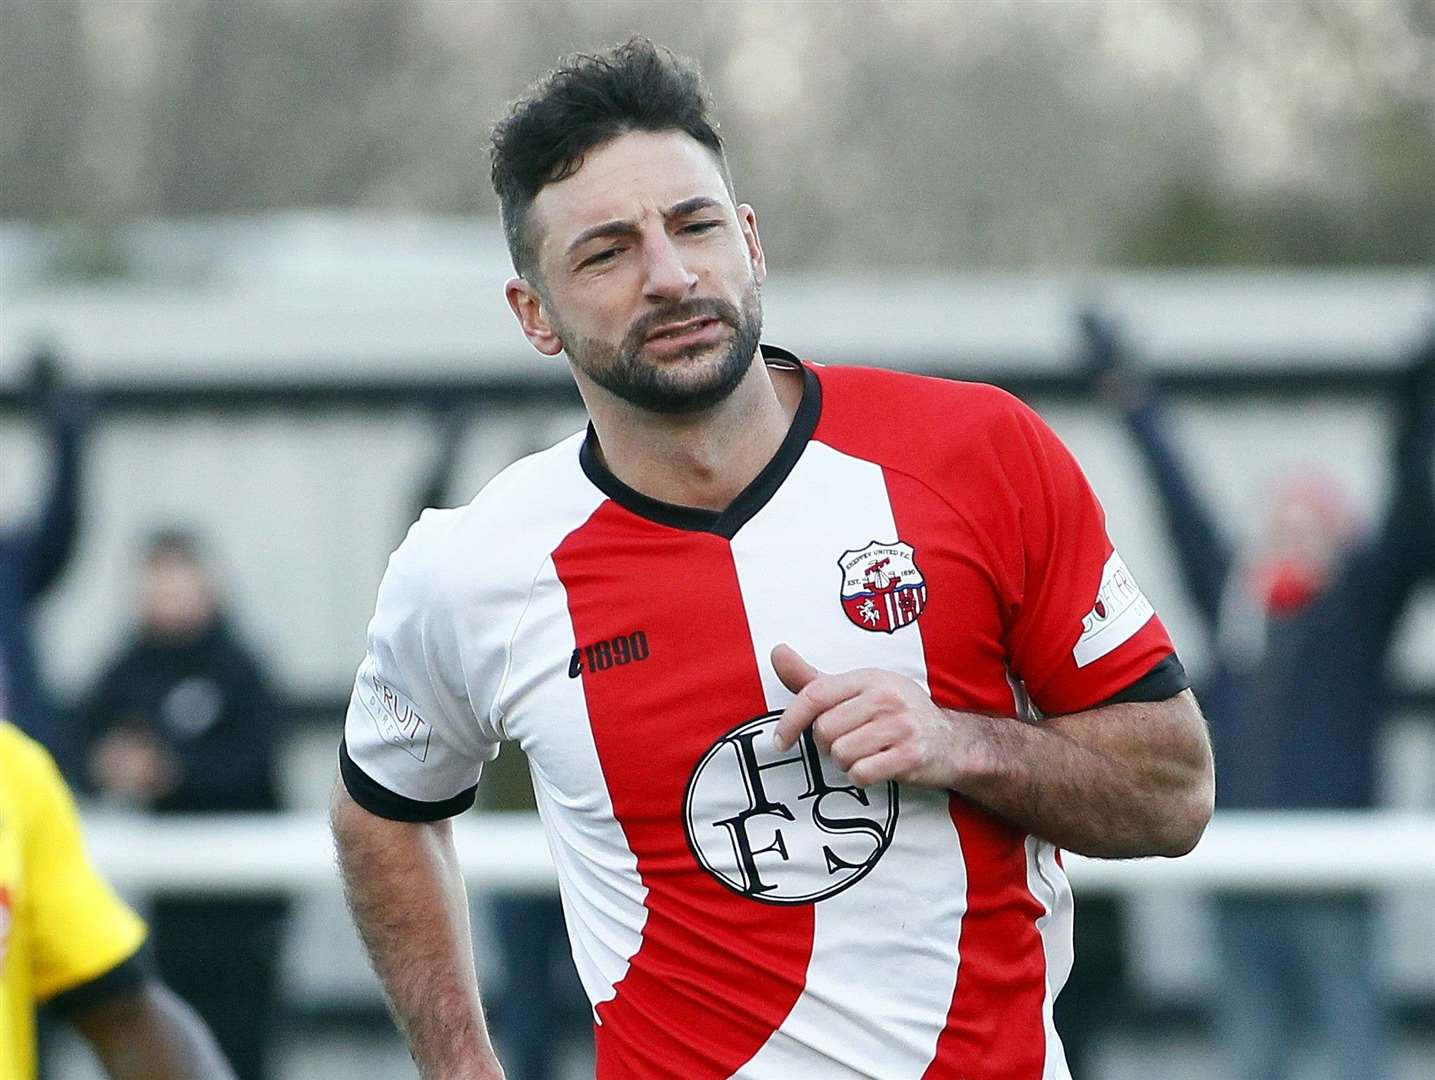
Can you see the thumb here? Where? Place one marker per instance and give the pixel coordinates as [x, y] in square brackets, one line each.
[794, 671]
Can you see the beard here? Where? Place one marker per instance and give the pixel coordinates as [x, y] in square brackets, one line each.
[684, 382]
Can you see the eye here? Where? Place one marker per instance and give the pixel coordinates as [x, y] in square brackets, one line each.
[600, 257]
[696, 227]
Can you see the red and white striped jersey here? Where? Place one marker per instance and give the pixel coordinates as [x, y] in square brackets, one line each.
[733, 910]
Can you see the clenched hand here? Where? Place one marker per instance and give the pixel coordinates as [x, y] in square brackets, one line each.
[876, 725]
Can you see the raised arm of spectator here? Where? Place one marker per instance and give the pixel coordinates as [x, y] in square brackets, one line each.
[1204, 553]
[1384, 572]
[53, 541]
[449, 424]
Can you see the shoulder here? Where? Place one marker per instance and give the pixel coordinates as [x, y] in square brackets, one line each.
[855, 398]
[893, 385]
[29, 774]
[930, 427]
[498, 539]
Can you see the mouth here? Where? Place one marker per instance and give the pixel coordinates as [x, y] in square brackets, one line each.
[683, 335]
[679, 329]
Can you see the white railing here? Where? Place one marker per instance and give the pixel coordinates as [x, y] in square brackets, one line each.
[292, 852]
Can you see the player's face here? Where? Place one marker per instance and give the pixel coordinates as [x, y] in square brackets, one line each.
[651, 275]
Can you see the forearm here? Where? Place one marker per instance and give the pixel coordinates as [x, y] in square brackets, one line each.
[1116, 782]
[406, 895]
[1204, 555]
[150, 1034]
[1408, 534]
[54, 538]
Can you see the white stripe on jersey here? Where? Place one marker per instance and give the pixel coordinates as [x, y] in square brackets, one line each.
[1048, 883]
[868, 934]
[550, 723]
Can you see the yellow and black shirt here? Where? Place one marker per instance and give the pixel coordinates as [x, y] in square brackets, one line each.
[65, 938]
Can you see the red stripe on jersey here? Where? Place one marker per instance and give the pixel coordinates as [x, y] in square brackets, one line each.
[994, 1028]
[716, 973]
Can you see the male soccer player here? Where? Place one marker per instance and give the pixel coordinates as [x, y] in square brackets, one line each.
[67, 941]
[775, 638]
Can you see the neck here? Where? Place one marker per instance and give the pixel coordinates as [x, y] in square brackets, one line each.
[702, 460]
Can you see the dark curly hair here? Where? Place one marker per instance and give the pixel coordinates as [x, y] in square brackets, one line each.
[589, 100]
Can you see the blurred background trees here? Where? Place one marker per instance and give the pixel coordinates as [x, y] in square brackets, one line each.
[990, 133]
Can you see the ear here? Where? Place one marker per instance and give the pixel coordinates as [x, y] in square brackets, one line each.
[528, 308]
[747, 221]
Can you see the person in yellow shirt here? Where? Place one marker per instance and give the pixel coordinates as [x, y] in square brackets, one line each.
[66, 941]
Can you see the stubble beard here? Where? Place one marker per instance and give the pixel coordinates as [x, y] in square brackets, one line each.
[683, 382]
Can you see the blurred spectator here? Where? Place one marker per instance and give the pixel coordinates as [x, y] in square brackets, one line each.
[542, 1007]
[1300, 629]
[32, 556]
[184, 721]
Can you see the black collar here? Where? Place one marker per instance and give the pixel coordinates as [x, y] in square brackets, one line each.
[751, 499]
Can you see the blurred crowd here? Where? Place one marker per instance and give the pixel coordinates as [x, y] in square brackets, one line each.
[181, 720]
[1299, 626]
[185, 719]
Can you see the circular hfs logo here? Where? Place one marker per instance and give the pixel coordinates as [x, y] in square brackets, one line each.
[783, 827]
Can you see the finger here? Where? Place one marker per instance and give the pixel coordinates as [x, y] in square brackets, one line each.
[860, 743]
[889, 764]
[792, 669]
[844, 717]
[816, 698]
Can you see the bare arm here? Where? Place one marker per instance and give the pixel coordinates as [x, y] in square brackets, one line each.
[406, 895]
[1116, 781]
[149, 1034]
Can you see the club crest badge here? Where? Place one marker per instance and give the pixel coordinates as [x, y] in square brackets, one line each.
[882, 589]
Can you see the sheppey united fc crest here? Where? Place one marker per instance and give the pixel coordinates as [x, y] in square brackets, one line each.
[882, 588]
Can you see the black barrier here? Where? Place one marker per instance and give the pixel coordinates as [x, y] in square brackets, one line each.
[549, 386]
[1223, 381]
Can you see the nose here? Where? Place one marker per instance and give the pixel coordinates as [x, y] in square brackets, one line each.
[666, 276]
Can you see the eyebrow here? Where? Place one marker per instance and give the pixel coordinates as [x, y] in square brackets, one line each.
[628, 229]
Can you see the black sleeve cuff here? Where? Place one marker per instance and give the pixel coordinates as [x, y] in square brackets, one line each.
[129, 974]
[1165, 680]
[380, 801]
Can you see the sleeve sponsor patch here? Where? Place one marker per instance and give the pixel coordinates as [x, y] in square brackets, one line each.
[1119, 612]
[395, 717]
